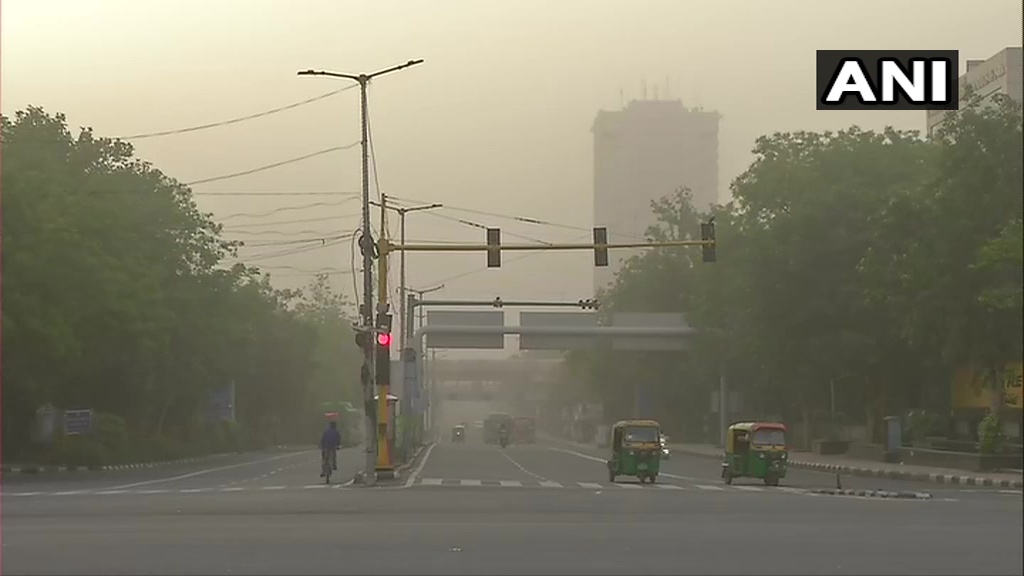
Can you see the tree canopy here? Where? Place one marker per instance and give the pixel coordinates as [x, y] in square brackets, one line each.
[878, 259]
[116, 298]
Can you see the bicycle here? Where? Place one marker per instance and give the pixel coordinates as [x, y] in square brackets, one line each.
[325, 466]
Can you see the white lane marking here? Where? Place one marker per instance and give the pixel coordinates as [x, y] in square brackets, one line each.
[208, 471]
[471, 483]
[415, 473]
[70, 493]
[231, 489]
[633, 486]
[515, 483]
[580, 454]
[273, 488]
[678, 477]
[21, 493]
[195, 490]
[669, 487]
[523, 469]
[105, 492]
[550, 484]
[749, 488]
[431, 481]
[151, 491]
[594, 485]
[314, 486]
[707, 487]
[603, 461]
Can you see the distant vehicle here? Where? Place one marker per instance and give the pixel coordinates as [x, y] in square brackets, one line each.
[524, 430]
[492, 425]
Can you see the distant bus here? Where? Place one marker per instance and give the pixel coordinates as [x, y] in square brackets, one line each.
[492, 425]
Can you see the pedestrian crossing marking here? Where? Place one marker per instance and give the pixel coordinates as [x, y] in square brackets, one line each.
[471, 483]
[593, 485]
[628, 486]
[749, 488]
[508, 483]
[431, 481]
[707, 487]
[550, 484]
[670, 487]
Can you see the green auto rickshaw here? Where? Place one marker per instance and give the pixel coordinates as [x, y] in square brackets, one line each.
[755, 450]
[636, 450]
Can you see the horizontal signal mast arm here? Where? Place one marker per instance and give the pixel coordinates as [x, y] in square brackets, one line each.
[527, 247]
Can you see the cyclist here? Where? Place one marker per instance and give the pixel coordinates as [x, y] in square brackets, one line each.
[330, 442]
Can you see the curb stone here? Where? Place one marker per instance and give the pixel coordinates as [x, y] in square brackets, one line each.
[886, 473]
[875, 494]
[35, 469]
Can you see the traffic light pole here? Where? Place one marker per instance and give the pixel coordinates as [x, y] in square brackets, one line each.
[384, 468]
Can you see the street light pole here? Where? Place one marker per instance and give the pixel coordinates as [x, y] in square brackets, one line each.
[367, 246]
[402, 211]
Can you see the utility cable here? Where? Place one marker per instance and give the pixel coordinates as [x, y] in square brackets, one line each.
[237, 120]
[271, 166]
[284, 209]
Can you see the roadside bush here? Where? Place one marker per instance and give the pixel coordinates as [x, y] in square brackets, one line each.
[990, 435]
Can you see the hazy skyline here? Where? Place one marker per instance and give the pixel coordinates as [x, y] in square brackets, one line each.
[497, 119]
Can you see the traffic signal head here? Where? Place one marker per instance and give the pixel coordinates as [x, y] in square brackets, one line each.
[384, 339]
[600, 246]
[707, 234]
[494, 247]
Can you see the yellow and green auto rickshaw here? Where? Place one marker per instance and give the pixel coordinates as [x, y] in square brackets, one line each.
[755, 450]
[636, 450]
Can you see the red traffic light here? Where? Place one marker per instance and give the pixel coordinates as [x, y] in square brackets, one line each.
[384, 339]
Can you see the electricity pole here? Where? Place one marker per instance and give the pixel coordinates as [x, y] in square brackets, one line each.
[366, 245]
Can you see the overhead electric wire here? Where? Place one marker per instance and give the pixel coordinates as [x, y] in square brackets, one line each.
[284, 209]
[322, 240]
[289, 252]
[478, 225]
[237, 120]
[271, 166]
[525, 219]
[281, 222]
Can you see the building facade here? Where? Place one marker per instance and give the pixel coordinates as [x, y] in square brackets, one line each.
[643, 153]
[1000, 74]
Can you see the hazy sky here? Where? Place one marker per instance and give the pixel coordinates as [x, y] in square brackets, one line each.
[498, 118]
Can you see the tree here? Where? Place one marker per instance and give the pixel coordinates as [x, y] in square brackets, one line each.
[116, 299]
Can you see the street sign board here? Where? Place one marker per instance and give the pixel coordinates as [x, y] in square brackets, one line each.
[555, 319]
[649, 320]
[77, 422]
[489, 318]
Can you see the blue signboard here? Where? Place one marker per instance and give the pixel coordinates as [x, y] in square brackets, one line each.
[77, 422]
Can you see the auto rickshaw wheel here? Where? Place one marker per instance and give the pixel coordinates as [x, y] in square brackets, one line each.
[611, 476]
[727, 476]
[771, 480]
[652, 478]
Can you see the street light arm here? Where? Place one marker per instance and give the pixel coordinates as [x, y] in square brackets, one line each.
[427, 207]
[325, 73]
[394, 68]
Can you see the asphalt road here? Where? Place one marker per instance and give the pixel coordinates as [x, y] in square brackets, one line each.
[474, 509]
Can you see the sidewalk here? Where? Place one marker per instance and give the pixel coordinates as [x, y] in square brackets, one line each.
[39, 468]
[855, 467]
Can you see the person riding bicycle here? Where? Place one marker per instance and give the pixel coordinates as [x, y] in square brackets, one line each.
[330, 442]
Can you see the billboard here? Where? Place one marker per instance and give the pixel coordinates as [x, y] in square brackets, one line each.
[554, 319]
[466, 318]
